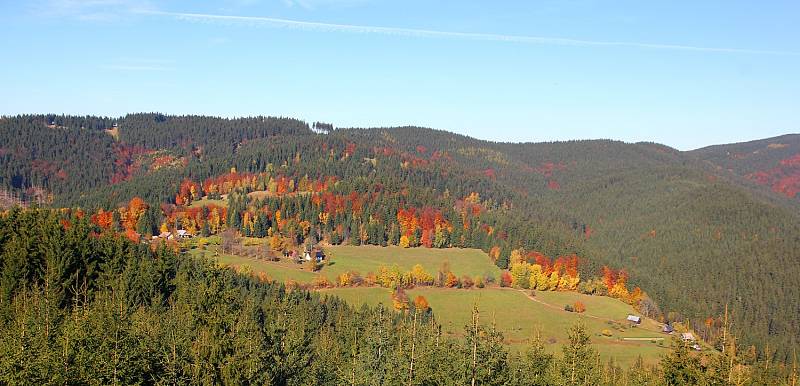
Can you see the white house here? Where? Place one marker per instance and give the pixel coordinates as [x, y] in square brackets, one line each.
[687, 336]
[182, 233]
[316, 254]
[635, 319]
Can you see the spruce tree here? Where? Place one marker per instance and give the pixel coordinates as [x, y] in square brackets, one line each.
[578, 364]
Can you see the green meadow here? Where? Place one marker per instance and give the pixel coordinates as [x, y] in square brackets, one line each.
[519, 315]
[520, 318]
[363, 259]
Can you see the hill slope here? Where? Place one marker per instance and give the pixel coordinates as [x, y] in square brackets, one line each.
[694, 236]
[772, 162]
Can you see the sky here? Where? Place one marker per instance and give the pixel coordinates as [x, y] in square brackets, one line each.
[683, 73]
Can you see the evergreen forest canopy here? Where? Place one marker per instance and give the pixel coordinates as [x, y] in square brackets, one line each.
[695, 230]
[82, 307]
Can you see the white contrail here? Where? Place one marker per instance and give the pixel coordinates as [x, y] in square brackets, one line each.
[413, 32]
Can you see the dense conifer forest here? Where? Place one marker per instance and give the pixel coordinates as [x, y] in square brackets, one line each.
[80, 305]
[696, 231]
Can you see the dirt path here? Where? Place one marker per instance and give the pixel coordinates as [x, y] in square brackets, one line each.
[587, 315]
[561, 309]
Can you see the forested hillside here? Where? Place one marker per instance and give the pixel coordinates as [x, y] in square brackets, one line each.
[693, 236]
[83, 305]
[772, 162]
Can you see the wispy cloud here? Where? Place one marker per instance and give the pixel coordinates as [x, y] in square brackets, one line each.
[256, 21]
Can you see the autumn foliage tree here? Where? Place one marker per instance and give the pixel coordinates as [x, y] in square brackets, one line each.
[505, 279]
[451, 280]
[420, 276]
[188, 191]
[421, 304]
[399, 300]
[103, 219]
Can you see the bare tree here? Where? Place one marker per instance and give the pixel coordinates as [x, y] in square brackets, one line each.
[228, 240]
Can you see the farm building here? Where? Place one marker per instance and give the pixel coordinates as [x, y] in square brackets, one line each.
[184, 234]
[316, 254]
[635, 319]
[687, 336]
[667, 329]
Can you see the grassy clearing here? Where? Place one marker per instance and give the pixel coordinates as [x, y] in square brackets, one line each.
[278, 271]
[602, 307]
[206, 202]
[366, 259]
[262, 194]
[363, 259]
[519, 318]
[517, 315]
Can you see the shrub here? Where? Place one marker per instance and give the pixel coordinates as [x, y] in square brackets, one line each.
[245, 269]
[607, 332]
[569, 308]
[579, 307]
[370, 279]
[419, 276]
[451, 280]
[320, 281]
[466, 282]
[344, 279]
[355, 278]
[505, 279]
[311, 265]
[391, 277]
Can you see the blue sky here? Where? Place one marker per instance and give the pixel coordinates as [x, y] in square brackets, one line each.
[683, 73]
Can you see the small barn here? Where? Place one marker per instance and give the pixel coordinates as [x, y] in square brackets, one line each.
[687, 336]
[634, 319]
[182, 233]
[667, 329]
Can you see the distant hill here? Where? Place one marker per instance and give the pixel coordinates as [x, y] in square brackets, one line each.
[772, 162]
[696, 230]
